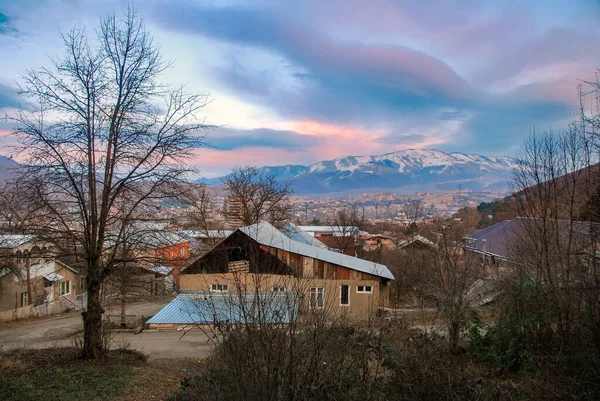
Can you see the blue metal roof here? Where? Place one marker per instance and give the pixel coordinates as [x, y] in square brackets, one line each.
[229, 308]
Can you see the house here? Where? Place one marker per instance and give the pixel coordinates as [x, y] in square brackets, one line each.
[24, 249]
[505, 241]
[52, 285]
[24, 259]
[150, 245]
[525, 241]
[204, 239]
[417, 242]
[341, 238]
[259, 259]
[377, 242]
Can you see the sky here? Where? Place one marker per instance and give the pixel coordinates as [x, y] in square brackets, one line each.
[299, 82]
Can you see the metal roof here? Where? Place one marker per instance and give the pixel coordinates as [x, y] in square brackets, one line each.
[294, 232]
[228, 308]
[502, 239]
[265, 234]
[9, 241]
[53, 276]
[205, 234]
[335, 230]
[164, 270]
[417, 238]
[48, 270]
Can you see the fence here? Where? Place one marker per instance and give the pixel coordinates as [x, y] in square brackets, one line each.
[46, 309]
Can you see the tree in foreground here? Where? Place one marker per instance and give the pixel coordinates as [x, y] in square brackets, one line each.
[102, 150]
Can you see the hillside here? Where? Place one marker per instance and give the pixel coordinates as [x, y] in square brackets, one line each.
[6, 166]
[414, 169]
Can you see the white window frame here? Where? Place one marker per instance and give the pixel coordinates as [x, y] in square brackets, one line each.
[24, 299]
[344, 285]
[64, 288]
[182, 252]
[278, 288]
[362, 289]
[216, 287]
[316, 291]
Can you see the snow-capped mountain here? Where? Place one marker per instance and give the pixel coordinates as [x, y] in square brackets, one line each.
[7, 165]
[411, 169]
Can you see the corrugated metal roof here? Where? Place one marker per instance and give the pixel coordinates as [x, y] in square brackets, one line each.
[500, 239]
[164, 270]
[9, 241]
[265, 234]
[229, 308]
[294, 232]
[205, 234]
[335, 230]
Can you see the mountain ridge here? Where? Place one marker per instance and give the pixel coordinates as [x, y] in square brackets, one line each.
[421, 169]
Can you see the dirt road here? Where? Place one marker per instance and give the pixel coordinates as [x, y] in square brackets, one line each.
[63, 331]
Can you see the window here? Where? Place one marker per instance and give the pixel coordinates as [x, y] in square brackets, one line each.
[219, 288]
[82, 284]
[24, 299]
[344, 295]
[277, 288]
[171, 254]
[65, 287]
[365, 289]
[316, 298]
[181, 252]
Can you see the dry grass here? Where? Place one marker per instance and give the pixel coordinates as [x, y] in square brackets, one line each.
[58, 374]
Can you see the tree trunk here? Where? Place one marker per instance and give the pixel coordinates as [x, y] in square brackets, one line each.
[123, 307]
[29, 292]
[92, 322]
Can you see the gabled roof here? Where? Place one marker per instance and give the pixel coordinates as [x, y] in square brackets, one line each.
[146, 238]
[415, 239]
[265, 234]
[493, 240]
[294, 232]
[49, 270]
[496, 240]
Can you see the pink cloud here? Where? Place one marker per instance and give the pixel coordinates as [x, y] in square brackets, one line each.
[334, 141]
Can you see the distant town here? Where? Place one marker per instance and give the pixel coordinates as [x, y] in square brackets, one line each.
[386, 206]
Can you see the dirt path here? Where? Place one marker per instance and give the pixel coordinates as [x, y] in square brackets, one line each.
[63, 329]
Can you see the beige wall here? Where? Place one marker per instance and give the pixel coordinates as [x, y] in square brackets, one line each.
[11, 289]
[361, 305]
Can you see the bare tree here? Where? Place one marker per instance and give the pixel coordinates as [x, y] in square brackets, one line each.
[555, 254]
[99, 147]
[17, 208]
[455, 273]
[255, 195]
[413, 209]
[346, 230]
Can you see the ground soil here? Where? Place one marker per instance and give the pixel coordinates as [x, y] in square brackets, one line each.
[63, 331]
